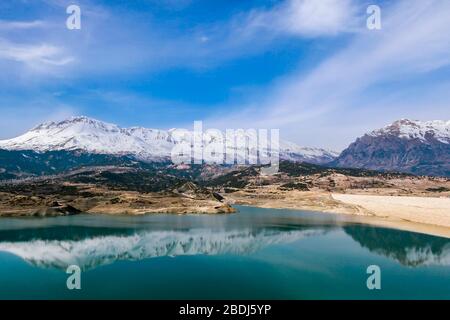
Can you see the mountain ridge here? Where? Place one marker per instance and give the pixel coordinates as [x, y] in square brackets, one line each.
[91, 135]
[411, 146]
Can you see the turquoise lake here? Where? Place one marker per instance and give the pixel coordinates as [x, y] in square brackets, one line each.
[254, 254]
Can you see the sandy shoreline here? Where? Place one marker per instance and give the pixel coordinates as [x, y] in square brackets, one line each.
[429, 215]
[421, 214]
[435, 211]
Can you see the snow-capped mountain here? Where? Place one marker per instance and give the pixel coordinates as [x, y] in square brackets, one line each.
[78, 133]
[293, 152]
[420, 147]
[94, 136]
[413, 129]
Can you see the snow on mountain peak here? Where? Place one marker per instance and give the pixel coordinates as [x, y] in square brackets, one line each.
[415, 129]
[79, 120]
[77, 133]
[91, 135]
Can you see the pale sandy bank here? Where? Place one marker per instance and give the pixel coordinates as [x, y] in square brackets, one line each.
[430, 215]
[434, 211]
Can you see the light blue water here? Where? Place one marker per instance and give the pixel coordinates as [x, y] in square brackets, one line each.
[255, 254]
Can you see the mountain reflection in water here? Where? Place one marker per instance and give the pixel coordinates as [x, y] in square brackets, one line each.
[92, 241]
[408, 248]
[92, 252]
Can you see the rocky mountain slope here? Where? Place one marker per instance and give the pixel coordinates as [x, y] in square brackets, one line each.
[409, 146]
[26, 163]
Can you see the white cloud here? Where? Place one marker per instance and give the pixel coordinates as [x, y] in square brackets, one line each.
[308, 18]
[38, 57]
[20, 25]
[413, 42]
[100, 47]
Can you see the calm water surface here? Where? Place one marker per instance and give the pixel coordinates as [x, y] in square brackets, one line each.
[255, 254]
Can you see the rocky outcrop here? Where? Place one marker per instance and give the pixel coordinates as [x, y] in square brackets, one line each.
[34, 206]
[56, 211]
[421, 148]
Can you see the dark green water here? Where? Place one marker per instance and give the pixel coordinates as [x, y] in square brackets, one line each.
[255, 254]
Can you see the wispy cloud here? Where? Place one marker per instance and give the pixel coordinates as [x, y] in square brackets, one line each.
[414, 42]
[20, 25]
[260, 29]
[117, 45]
[306, 18]
[108, 35]
[35, 56]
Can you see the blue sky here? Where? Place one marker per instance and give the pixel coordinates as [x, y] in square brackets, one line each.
[310, 68]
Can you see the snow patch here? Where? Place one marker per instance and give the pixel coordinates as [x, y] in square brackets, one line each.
[413, 129]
